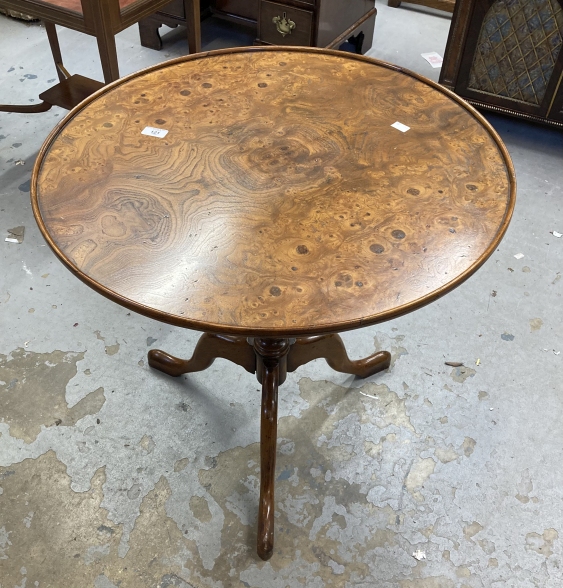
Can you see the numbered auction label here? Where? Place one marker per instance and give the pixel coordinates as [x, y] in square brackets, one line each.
[400, 127]
[153, 132]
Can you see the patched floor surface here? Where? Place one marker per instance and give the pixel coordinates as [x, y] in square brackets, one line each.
[424, 476]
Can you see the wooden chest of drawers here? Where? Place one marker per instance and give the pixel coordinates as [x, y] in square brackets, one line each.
[346, 24]
[315, 23]
[280, 24]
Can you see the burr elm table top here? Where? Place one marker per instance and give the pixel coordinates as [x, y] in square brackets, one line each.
[281, 201]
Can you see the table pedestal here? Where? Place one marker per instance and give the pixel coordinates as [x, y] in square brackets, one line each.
[270, 359]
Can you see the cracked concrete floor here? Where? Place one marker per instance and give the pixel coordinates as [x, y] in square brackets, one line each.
[113, 475]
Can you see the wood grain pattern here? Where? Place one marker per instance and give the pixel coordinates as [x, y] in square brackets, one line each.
[281, 201]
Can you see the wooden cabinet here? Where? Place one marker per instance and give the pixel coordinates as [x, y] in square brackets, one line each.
[316, 23]
[337, 24]
[507, 56]
[172, 14]
[245, 11]
[285, 25]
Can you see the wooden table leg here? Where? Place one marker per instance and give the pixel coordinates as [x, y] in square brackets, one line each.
[271, 371]
[148, 32]
[271, 359]
[66, 94]
[208, 349]
[331, 348]
[25, 108]
[268, 445]
[51, 31]
[193, 24]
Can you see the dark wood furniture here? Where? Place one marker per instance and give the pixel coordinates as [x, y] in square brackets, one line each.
[280, 208]
[243, 12]
[447, 5]
[102, 19]
[314, 23]
[171, 14]
[508, 57]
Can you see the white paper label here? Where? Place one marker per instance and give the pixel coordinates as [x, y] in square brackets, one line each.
[433, 58]
[400, 127]
[153, 132]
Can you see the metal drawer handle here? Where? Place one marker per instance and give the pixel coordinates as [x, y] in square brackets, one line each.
[283, 24]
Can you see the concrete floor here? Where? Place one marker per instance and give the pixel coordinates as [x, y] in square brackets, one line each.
[112, 475]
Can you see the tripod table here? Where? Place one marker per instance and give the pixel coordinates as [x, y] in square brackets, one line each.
[272, 198]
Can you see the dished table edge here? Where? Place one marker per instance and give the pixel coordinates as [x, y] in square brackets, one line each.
[284, 332]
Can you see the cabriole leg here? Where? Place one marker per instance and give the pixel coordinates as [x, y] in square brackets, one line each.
[208, 349]
[331, 348]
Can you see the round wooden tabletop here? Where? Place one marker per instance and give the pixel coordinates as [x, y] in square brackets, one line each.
[281, 200]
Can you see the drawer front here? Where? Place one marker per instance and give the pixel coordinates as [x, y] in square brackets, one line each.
[299, 21]
[175, 8]
[244, 8]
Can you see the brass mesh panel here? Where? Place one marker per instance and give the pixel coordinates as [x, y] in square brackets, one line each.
[517, 49]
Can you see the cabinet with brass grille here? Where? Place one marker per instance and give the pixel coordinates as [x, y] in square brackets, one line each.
[507, 56]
